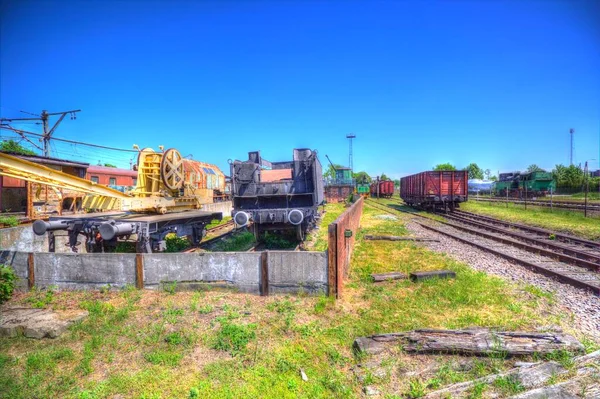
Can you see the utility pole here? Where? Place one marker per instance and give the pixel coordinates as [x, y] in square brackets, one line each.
[350, 137]
[571, 131]
[44, 118]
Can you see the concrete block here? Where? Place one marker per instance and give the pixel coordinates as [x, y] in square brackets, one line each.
[18, 261]
[81, 271]
[292, 272]
[237, 269]
[419, 276]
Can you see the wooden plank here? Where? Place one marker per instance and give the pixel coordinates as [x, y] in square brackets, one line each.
[419, 276]
[30, 271]
[477, 341]
[332, 260]
[378, 278]
[139, 271]
[398, 238]
[264, 273]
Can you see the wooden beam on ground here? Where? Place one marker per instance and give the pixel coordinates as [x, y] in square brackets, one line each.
[480, 341]
[399, 238]
[419, 276]
[378, 278]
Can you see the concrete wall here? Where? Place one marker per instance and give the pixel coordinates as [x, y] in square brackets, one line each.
[22, 238]
[292, 272]
[236, 269]
[83, 271]
[288, 272]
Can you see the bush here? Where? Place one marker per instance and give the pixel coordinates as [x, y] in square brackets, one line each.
[176, 243]
[8, 278]
[10, 221]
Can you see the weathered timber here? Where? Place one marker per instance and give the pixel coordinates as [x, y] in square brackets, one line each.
[470, 342]
[378, 278]
[419, 276]
[528, 377]
[398, 238]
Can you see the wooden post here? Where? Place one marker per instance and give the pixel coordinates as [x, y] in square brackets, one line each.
[332, 260]
[264, 273]
[31, 271]
[139, 271]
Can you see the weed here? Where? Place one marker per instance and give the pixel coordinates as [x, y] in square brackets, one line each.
[240, 241]
[9, 221]
[323, 302]
[105, 289]
[509, 385]
[8, 279]
[172, 314]
[234, 337]
[170, 288]
[42, 298]
[206, 309]
[163, 357]
[194, 393]
[175, 243]
[477, 390]
[178, 338]
[565, 358]
[416, 389]
[552, 237]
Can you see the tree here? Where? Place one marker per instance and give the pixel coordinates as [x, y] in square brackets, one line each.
[534, 168]
[361, 177]
[397, 182]
[475, 172]
[568, 177]
[14, 148]
[383, 177]
[110, 165]
[444, 166]
[330, 173]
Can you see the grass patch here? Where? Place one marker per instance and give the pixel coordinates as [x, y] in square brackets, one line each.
[319, 237]
[165, 358]
[239, 241]
[234, 338]
[553, 219]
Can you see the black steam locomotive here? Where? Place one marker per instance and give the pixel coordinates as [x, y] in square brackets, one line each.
[277, 195]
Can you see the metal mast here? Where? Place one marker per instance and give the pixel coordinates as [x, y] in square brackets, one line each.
[350, 137]
[571, 132]
[44, 117]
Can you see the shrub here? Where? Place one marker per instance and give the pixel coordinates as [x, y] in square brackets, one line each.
[8, 279]
[176, 243]
[234, 337]
[10, 221]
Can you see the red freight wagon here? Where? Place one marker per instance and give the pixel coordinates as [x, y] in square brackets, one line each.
[111, 176]
[431, 190]
[386, 189]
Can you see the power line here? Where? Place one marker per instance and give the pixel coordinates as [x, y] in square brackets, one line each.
[44, 118]
[67, 141]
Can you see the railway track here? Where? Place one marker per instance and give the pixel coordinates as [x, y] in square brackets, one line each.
[575, 206]
[569, 259]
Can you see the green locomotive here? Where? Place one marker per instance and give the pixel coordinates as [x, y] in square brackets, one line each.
[362, 189]
[517, 185]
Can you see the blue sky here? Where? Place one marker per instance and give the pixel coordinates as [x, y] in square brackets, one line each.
[419, 82]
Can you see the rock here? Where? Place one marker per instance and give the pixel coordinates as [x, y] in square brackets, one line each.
[420, 276]
[538, 374]
[370, 391]
[303, 375]
[523, 364]
[37, 323]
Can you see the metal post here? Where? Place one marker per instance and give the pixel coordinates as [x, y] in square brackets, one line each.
[587, 187]
[46, 137]
[551, 206]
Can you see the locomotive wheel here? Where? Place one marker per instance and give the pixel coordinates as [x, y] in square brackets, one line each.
[171, 169]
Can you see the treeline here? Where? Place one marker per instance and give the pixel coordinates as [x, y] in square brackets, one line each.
[568, 179]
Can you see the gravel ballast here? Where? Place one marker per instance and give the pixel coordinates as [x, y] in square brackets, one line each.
[584, 305]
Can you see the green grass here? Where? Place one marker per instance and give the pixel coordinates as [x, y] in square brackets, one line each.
[332, 211]
[239, 241]
[216, 223]
[214, 344]
[553, 219]
[9, 221]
